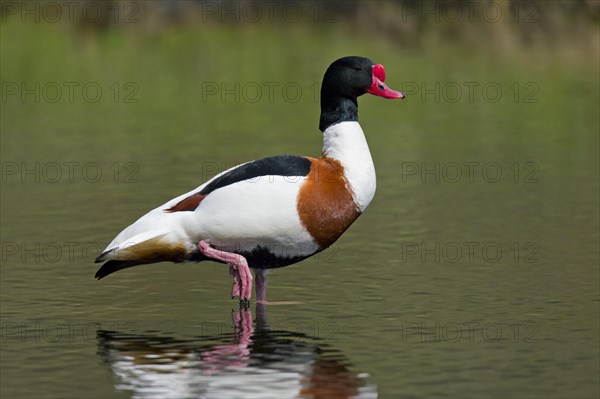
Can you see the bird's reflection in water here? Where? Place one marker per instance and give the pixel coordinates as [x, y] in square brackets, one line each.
[253, 362]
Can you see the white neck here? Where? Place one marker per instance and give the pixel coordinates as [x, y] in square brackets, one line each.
[345, 142]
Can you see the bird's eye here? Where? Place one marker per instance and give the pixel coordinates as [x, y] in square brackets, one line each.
[357, 68]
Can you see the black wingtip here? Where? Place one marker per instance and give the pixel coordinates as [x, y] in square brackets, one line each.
[101, 257]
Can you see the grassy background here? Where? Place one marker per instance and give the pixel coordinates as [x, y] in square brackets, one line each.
[170, 65]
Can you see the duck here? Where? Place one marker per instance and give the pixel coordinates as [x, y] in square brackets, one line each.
[272, 212]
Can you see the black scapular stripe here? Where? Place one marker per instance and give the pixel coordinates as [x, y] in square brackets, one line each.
[281, 165]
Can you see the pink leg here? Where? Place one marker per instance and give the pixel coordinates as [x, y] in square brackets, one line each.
[238, 268]
[261, 285]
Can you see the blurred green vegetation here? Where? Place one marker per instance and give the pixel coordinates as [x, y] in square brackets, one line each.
[154, 63]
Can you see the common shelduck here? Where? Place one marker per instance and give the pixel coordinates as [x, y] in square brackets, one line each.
[272, 212]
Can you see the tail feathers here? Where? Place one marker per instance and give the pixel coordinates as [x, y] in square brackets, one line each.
[103, 256]
[152, 250]
[115, 265]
